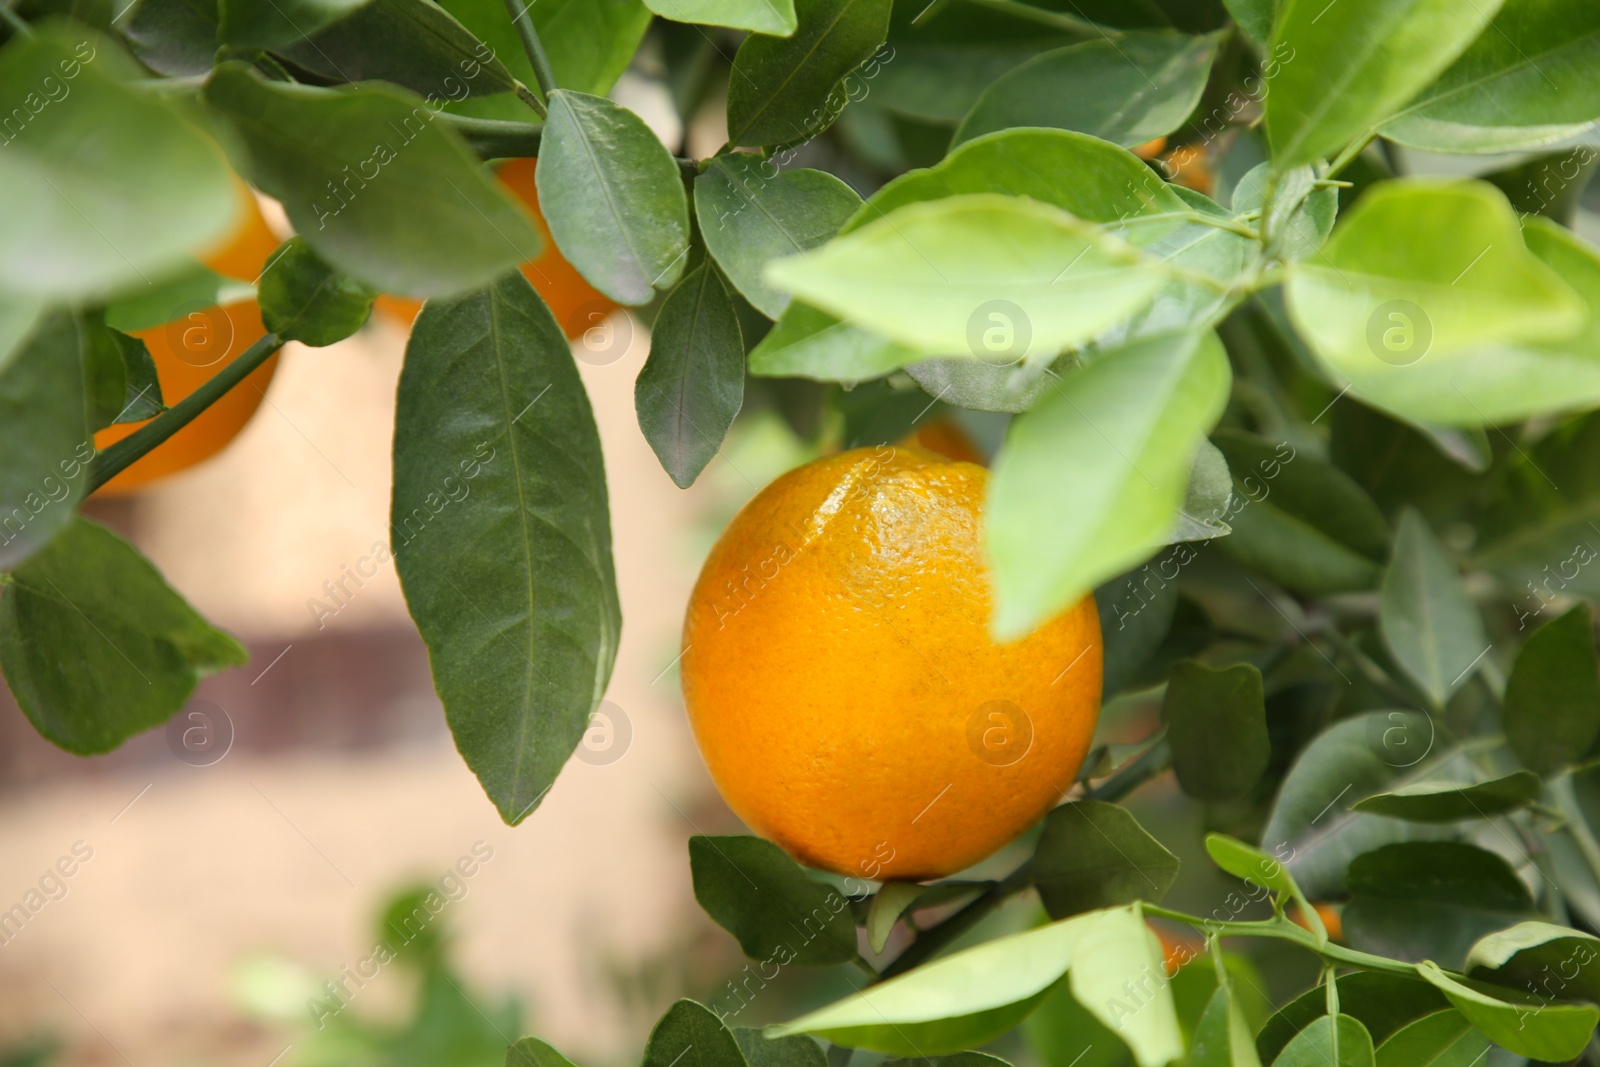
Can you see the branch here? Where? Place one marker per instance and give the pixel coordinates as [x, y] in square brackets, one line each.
[531, 44]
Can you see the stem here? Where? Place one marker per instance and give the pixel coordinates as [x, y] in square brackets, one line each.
[932, 940]
[496, 138]
[1136, 772]
[120, 456]
[1053, 19]
[531, 98]
[1284, 930]
[13, 20]
[531, 44]
[1351, 151]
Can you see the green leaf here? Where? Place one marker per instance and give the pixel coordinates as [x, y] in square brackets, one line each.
[1430, 305]
[1136, 611]
[305, 299]
[751, 213]
[959, 1059]
[415, 214]
[1382, 1002]
[1222, 1038]
[998, 277]
[1453, 801]
[1522, 83]
[137, 648]
[973, 996]
[1217, 727]
[258, 24]
[613, 198]
[589, 43]
[692, 385]
[1300, 216]
[775, 17]
[531, 1052]
[1555, 962]
[1064, 1034]
[195, 289]
[760, 1051]
[938, 81]
[1298, 519]
[690, 1035]
[1526, 1025]
[1096, 855]
[762, 897]
[413, 43]
[1430, 900]
[888, 904]
[107, 187]
[1331, 1041]
[1443, 1039]
[1250, 864]
[1353, 64]
[18, 317]
[1254, 17]
[1372, 753]
[807, 343]
[45, 437]
[1207, 497]
[785, 90]
[105, 374]
[1131, 421]
[1141, 86]
[175, 37]
[502, 534]
[142, 393]
[1429, 624]
[1552, 702]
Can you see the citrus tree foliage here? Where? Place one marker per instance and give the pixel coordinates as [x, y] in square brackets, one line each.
[1319, 434]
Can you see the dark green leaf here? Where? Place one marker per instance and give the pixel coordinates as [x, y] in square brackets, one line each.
[107, 187]
[1254, 17]
[939, 81]
[1429, 625]
[1298, 520]
[1131, 90]
[304, 299]
[689, 1035]
[762, 1051]
[531, 1052]
[1443, 1039]
[142, 396]
[194, 289]
[1383, 1003]
[1549, 185]
[1378, 752]
[1096, 855]
[105, 377]
[1217, 727]
[1452, 801]
[784, 90]
[1524, 1024]
[1063, 1033]
[502, 534]
[1522, 83]
[750, 213]
[1132, 421]
[775, 17]
[1222, 1037]
[1136, 611]
[137, 648]
[258, 24]
[1349, 66]
[692, 385]
[1430, 900]
[45, 437]
[1336, 1041]
[413, 43]
[176, 37]
[416, 214]
[613, 198]
[1552, 703]
[1555, 962]
[762, 897]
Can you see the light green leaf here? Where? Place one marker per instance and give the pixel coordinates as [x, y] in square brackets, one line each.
[1526, 1025]
[807, 343]
[1331, 1041]
[1443, 1039]
[1524, 82]
[137, 648]
[1222, 1038]
[1250, 864]
[1301, 215]
[1207, 497]
[1453, 801]
[1254, 17]
[751, 213]
[1141, 86]
[106, 187]
[589, 43]
[1552, 702]
[888, 904]
[45, 437]
[531, 1052]
[1348, 66]
[1117, 954]
[502, 534]
[1130, 423]
[1096, 855]
[1217, 726]
[428, 222]
[690, 1035]
[1555, 961]
[304, 299]
[612, 195]
[194, 289]
[1380, 1001]
[1429, 624]
[998, 277]
[784, 90]
[774, 17]
[762, 897]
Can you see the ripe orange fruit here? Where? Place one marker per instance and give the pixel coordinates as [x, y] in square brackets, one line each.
[842, 684]
[187, 352]
[946, 438]
[1190, 167]
[577, 305]
[1332, 919]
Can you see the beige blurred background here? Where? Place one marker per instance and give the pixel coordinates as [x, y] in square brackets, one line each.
[212, 890]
